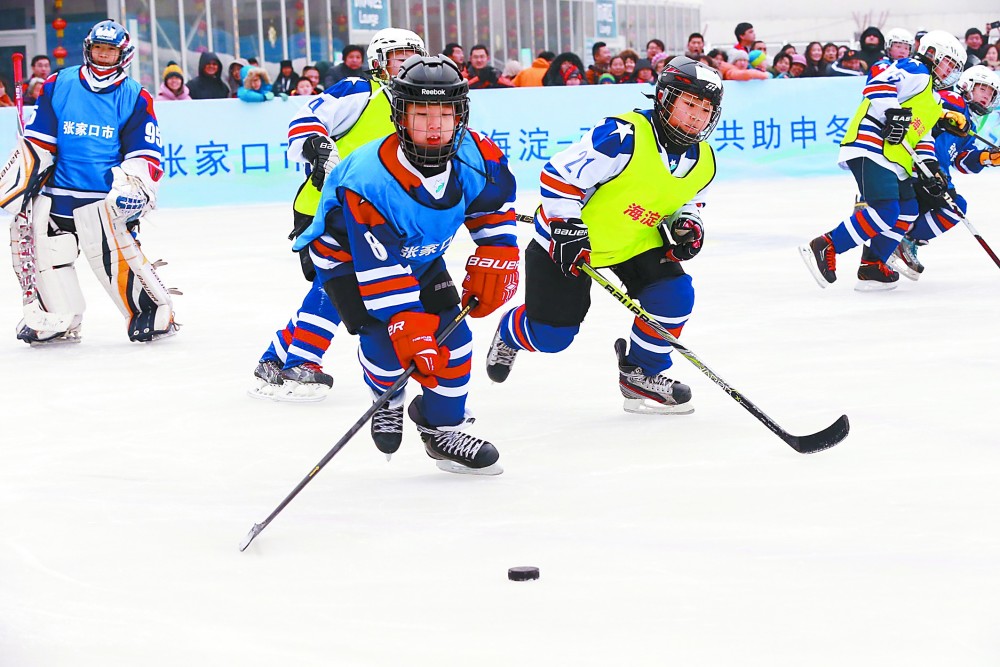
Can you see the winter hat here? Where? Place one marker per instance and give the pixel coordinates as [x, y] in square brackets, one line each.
[285, 63]
[738, 54]
[571, 72]
[172, 69]
[757, 58]
[799, 59]
[657, 58]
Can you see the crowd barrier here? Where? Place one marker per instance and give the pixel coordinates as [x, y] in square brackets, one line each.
[223, 152]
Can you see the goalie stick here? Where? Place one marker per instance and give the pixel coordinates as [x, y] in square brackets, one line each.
[951, 202]
[358, 425]
[806, 444]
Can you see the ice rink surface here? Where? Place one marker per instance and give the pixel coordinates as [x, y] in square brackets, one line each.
[129, 474]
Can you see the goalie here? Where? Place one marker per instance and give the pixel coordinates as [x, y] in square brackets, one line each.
[79, 181]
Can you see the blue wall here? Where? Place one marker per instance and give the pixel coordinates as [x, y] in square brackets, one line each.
[229, 152]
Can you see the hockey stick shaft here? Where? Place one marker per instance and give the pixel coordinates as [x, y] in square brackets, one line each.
[805, 444]
[923, 168]
[17, 60]
[358, 425]
[986, 141]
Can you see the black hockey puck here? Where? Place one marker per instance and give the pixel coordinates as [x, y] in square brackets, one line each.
[522, 573]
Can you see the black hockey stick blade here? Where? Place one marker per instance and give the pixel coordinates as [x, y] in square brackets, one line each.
[817, 442]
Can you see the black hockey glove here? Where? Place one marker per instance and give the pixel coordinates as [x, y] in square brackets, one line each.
[897, 122]
[684, 234]
[933, 185]
[569, 245]
[323, 157]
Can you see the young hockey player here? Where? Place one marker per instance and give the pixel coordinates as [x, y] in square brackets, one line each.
[349, 114]
[977, 95]
[898, 45]
[386, 216]
[598, 207]
[96, 128]
[899, 105]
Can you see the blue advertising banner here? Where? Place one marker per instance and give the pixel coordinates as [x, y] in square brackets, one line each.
[218, 152]
[369, 14]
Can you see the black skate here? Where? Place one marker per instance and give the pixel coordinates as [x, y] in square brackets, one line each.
[305, 382]
[821, 259]
[266, 379]
[873, 274]
[387, 426]
[47, 338]
[650, 394]
[904, 259]
[453, 450]
[500, 359]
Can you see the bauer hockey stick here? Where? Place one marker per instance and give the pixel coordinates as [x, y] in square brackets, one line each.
[806, 444]
[358, 425]
[946, 198]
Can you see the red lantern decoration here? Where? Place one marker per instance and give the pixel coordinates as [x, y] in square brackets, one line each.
[300, 22]
[342, 20]
[60, 53]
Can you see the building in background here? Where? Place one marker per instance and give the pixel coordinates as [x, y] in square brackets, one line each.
[306, 31]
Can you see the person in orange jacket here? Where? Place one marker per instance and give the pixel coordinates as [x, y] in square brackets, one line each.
[532, 76]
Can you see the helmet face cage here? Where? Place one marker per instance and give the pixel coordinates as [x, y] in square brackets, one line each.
[113, 34]
[433, 88]
[685, 89]
[384, 43]
[979, 78]
[939, 49]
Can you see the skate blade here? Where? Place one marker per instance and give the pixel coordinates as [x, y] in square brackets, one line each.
[642, 406]
[56, 342]
[297, 392]
[900, 267]
[458, 468]
[806, 253]
[874, 286]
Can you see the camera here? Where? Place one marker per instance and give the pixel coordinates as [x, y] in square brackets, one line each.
[994, 25]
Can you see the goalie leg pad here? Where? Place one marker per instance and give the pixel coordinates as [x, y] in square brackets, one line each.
[124, 272]
[22, 174]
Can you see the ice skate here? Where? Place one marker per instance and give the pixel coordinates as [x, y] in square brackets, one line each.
[500, 359]
[820, 259]
[650, 394]
[874, 275]
[904, 259]
[453, 450]
[48, 338]
[387, 426]
[267, 379]
[304, 383]
[146, 327]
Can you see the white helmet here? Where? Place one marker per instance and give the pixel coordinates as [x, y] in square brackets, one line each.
[937, 47]
[388, 40]
[898, 36]
[979, 75]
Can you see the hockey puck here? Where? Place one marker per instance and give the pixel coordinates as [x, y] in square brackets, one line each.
[522, 573]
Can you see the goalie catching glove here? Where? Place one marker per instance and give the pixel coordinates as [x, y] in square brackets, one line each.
[413, 338]
[323, 157]
[492, 276]
[133, 189]
[684, 234]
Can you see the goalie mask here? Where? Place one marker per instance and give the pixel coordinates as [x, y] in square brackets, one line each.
[100, 73]
[944, 56]
[384, 43]
[980, 86]
[687, 101]
[430, 109]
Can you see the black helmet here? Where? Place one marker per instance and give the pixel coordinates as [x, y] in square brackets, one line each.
[429, 81]
[683, 75]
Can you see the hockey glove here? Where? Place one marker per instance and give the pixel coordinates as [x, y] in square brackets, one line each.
[686, 232]
[491, 275]
[954, 122]
[989, 158]
[569, 245]
[323, 157]
[933, 185]
[413, 338]
[897, 122]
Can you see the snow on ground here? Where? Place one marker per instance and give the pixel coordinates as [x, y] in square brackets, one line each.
[129, 474]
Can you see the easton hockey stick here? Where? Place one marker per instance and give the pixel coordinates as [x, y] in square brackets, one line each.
[358, 425]
[806, 444]
[946, 198]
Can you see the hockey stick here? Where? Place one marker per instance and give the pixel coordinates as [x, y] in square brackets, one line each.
[946, 198]
[983, 139]
[358, 425]
[806, 444]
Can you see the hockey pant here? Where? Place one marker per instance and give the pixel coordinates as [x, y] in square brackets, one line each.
[890, 212]
[123, 271]
[308, 335]
[556, 305]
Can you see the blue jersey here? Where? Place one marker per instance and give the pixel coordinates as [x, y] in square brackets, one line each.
[90, 132]
[954, 151]
[388, 224]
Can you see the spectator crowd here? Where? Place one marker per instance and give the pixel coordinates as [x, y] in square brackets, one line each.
[747, 59]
